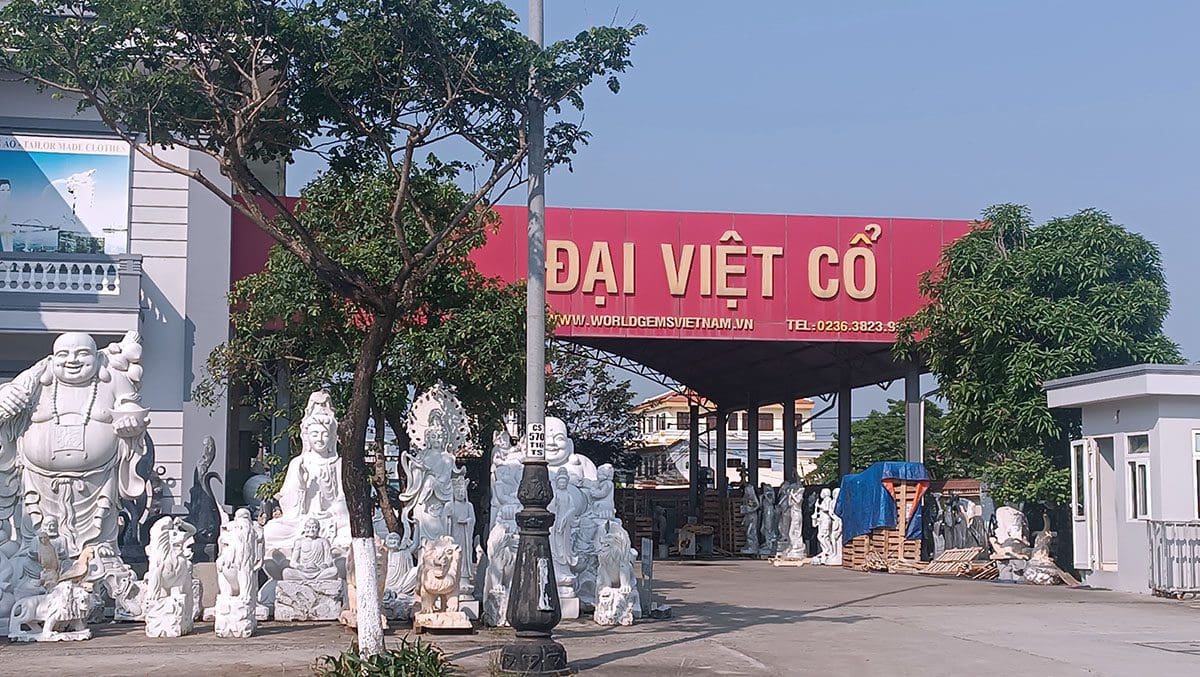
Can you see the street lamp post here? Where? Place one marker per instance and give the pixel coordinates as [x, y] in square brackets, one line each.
[533, 605]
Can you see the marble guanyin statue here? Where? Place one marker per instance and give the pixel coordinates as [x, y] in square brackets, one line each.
[312, 488]
[72, 431]
[437, 429]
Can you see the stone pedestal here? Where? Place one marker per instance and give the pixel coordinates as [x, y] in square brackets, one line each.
[453, 621]
[233, 617]
[308, 600]
[614, 606]
[398, 607]
[469, 606]
[169, 616]
[570, 607]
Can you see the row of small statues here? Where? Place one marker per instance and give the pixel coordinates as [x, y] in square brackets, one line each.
[774, 524]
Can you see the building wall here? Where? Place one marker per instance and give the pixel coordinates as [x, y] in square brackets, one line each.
[182, 235]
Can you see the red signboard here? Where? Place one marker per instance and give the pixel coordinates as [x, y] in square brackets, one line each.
[642, 274]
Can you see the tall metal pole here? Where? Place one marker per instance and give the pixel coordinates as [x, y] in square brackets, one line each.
[533, 605]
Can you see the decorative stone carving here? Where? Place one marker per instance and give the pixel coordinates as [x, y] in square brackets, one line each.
[822, 519]
[560, 452]
[797, 547]
[1041, 569]
[56, 616]
[750, 511]
[835, 531]
[460, 518]
[312, 488]
[168, 603]
[502, 556]
[568, 505]
[770, 521]
[438, 587]
[202, 504]
[312, 556]
[783, 540]
[313, 600]
[401, 580]
[1009, 540]
[617, 595]
[73, 425]
[437, 429]
[240, 557]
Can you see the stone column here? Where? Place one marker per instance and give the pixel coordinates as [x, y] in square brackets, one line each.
[789, 440]
[694, 488]
[752, 446]
[843, 402]
[722, 480]
[914, 418]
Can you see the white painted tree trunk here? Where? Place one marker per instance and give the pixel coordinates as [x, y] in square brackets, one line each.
[370, 629]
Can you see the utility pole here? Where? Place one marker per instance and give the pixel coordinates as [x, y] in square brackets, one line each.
[533, 605]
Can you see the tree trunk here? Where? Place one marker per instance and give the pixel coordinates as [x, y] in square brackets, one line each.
[357, 486]
[379, 477]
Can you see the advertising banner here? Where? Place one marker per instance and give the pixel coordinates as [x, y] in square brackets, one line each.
[66, 194]
[640, 274]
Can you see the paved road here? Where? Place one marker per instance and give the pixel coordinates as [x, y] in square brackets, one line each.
[745, 618]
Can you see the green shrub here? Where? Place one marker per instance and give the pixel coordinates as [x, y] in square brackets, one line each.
[412, 659]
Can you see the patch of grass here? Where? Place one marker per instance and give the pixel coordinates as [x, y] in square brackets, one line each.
[412, 659]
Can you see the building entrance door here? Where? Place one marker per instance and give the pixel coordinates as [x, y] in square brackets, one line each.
[1105, 502]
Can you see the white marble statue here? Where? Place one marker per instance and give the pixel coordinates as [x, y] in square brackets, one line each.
[797, 548]
[349, 617]
[312, 584]
[460, 519]
[835, 531]
[750, 511]
[58, 615]
[239, 557]
[400, 584]
[437, 429]
[568, 505]
[1009, 541]
[72, 432]
[506, 479]
[770, 522]
[822, 519]
[312, 487]
[560, 452]
[438, 587]
[502, 556]
[168, 604]
[617, 596]
[599, 511]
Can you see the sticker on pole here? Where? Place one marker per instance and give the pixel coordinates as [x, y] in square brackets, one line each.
[535, 440]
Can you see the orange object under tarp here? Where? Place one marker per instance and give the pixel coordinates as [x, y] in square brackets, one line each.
[911, 509]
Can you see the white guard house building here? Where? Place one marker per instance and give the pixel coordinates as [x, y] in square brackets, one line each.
[1135, 476]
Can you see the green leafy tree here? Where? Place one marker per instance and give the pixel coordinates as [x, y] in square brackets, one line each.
[881, 437]
[231, 85]
[596, 406]
[1013, 305]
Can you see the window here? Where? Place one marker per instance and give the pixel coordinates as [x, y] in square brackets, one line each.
[733, 420]
[764, 463]
[1139, 489]
[1196, 467]
[733, 463]
[745, 421]
[766, 422]
[710, 422]
[1138, 444]
[683, 420]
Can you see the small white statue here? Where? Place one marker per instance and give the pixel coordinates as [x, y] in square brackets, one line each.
[617, 596]
[560, 452]
[438, 587]
[822, 519]
[312, 556]
[312, 487]
[502, 556]
[835, 531]
[750, 511]
[168, 605]
[240, 555]
[400, 584]
[460, 518]
[568, 506]
[56, 616]
[1009, 540]
[797, 548]
[770, 522]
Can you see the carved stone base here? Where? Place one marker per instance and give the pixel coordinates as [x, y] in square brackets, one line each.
[233, 617]
[308, 600]
[398, 607]
[441, 621]
[615, 606]
[570, 607]
[469, 606]
[534, 657]
[170, 616]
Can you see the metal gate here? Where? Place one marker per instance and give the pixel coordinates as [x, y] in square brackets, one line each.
[1174, 557]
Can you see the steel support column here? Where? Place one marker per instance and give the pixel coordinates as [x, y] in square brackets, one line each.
[790, 472]
[694, 487]
[843, 402]
[914, 418]
[752, 446]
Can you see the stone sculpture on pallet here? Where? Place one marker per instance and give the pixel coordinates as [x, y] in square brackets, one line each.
[438, 587]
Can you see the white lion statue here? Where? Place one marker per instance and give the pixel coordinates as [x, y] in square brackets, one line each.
[58, 615]
[169, 606]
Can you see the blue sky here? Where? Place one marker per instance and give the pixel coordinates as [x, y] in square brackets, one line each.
[885, 108]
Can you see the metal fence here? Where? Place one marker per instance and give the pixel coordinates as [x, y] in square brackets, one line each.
[1174, 557]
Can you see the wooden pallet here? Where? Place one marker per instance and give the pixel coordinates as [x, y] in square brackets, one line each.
[886, 544]
[952, 562]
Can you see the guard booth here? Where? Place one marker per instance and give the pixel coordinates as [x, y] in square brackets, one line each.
[1135, 476]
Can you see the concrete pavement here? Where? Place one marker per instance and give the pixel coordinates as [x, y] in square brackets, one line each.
[743, 618]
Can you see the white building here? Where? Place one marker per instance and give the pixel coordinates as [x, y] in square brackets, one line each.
[664, 424]
[1138, 462]
[97, 239]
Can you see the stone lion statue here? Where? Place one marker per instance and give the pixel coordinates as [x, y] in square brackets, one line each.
[60, 614]
[170, 555]
[616, 555]
[437, 582]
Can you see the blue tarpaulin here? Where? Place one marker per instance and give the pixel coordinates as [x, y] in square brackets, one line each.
[864, 503]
